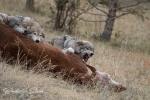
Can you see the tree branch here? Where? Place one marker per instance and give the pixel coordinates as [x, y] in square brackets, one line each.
[83, 11]
[98, 8]
[132, 5]
[95, 14]
[94, 21]
[125, 13]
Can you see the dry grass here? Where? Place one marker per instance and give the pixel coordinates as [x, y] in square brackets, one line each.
[124, 63]
[129, 68]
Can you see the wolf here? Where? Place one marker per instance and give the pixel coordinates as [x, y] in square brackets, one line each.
[26, 26]
[84, 49]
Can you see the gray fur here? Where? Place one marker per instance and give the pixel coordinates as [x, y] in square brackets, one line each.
[24, 25]
[84, 49]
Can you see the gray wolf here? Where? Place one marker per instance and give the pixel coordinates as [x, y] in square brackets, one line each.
[24, 25]
[84, 49]
[27, 26]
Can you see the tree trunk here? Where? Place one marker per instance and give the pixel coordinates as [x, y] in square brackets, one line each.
[106, 34]
[30, 5]
[64, 19]
[60, 7]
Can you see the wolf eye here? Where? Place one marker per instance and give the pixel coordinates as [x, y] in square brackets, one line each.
[34, 33]
[42, 35]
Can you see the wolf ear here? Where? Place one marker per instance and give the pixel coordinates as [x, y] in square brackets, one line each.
[66, 37]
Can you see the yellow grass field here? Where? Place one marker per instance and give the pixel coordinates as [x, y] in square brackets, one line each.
[126, 58]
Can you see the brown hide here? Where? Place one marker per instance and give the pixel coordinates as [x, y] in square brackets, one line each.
[12, 44]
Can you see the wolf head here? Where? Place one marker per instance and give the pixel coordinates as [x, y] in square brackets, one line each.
[85, 49]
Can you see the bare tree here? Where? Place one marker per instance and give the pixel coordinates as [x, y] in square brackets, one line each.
[30, 5]
[115, 6]
[112, 6]
[65, 15]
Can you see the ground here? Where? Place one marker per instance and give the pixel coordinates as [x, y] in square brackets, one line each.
[126, 58]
